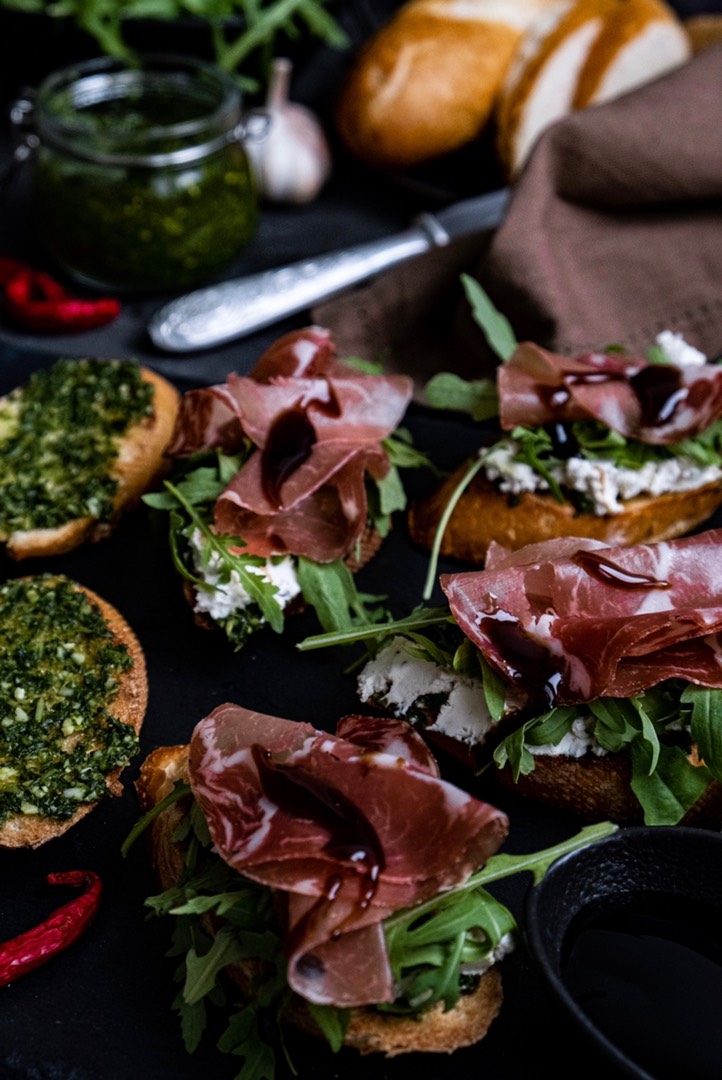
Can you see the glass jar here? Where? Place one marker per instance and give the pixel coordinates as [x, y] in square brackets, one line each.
[141, 180]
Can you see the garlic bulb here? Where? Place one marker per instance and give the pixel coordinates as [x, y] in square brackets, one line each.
[291, 161]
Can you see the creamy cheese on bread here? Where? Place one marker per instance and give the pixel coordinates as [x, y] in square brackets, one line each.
[406, 685]
[219, 599]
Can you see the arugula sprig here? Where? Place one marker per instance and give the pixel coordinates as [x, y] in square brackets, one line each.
[329, 588]
[436, 949]
[263, 22]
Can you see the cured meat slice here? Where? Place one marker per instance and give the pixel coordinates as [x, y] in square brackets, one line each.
[573, 621]
[347, 828]
[654, 403]
[315, 429]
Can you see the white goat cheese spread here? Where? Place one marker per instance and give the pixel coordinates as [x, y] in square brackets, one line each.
[219, 600]
[576, 743]
[397, 680]
[605, 485]
[677, 350]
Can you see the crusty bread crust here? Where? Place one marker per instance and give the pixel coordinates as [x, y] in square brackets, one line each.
[426, 82]
[139, 464]
[129, 706]
[598, 789]
[369, 1032]
[483, 513]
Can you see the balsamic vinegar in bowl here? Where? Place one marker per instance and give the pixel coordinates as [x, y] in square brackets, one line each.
[628, 935]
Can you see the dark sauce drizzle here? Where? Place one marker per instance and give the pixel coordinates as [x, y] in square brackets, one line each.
[353, 838]
[609, 573]
[527, 663]
[658, 388]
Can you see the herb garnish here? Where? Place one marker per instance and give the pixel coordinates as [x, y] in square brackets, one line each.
[263, 22]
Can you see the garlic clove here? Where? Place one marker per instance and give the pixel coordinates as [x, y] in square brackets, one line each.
[291, 160]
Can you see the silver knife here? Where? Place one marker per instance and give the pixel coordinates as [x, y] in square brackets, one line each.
[232, 309]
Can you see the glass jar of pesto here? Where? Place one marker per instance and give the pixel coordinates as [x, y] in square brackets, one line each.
[141, 181]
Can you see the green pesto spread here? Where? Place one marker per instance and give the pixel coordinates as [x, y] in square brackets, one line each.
[131, 228]
[60, 669]
[59, 437]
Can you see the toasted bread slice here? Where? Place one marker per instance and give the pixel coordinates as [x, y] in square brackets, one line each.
[598, 789]
[127, 704]
[139, 462]
[368, 1031]
[483, 513]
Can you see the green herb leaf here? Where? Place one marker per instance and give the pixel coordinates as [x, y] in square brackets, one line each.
[668, 791]
[706, 725]
[477, 397]
[497, 328]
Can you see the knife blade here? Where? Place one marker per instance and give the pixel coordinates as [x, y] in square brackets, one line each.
[231, 309]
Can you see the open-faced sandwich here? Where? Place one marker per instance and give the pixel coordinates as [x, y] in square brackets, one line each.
[337, 881]
[588, 675]
[73, 695]
[621, 448]
[79, 444]
[285, 482]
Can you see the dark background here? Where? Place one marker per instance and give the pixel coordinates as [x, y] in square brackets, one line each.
[102, 1008]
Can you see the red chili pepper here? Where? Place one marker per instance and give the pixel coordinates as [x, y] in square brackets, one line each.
[31, 949]
[39, 302]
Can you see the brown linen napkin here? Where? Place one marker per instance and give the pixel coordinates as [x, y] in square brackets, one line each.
[613, 233]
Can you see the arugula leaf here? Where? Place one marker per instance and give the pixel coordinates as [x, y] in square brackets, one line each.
[242, 1038]
[497, 328]
[330, 589]
[474, 467]
[706, 725]
[419, 619]
[477, 397]
[667, 791]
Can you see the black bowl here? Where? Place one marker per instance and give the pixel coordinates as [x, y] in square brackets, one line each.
[627, 933]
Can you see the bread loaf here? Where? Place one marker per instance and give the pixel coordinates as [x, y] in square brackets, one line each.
[580, 53]
[426, 83]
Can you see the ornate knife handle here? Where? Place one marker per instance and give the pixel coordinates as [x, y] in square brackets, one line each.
[220, 313]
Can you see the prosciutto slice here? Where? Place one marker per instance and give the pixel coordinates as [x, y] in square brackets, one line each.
[574, 620]
[346, 828]
[654, 403]
[316, 429]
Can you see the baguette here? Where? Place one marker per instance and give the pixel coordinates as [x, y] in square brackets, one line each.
[584, 53]
[99, 634]
[368, 1031]
[484, 515]
[131, 465]
[426, 83]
